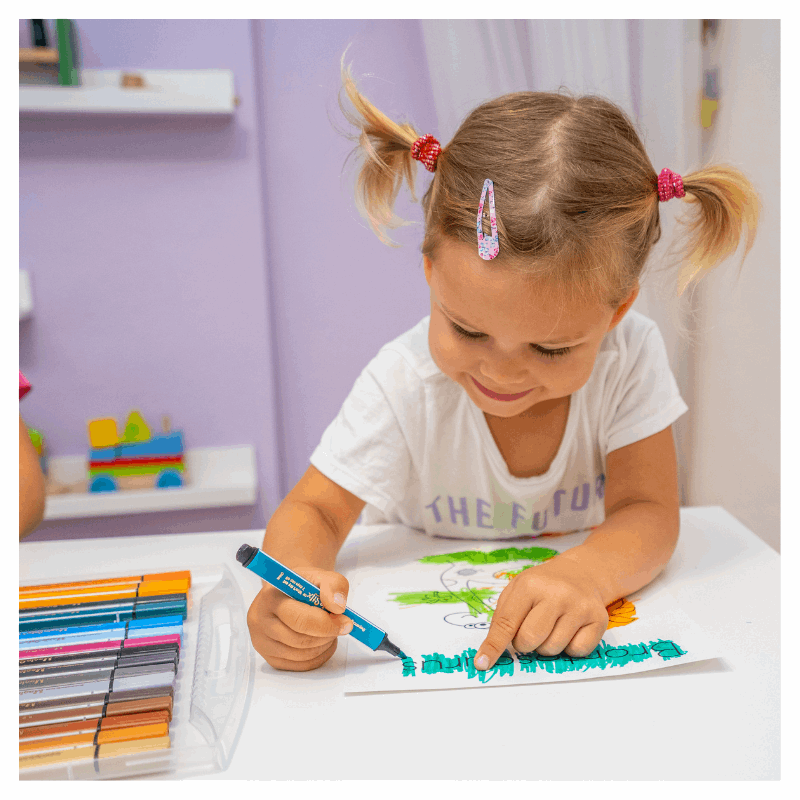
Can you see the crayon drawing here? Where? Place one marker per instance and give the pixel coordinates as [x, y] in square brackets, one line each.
[438, 605]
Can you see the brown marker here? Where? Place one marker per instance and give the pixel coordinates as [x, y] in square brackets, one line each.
[135, 701]
[92, 725]
[96, 738]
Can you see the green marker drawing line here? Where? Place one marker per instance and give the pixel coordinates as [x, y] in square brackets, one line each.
[603, 657]
[535, 554]
[472, 597]
[436, 663]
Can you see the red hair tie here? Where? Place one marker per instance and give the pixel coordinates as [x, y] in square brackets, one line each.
[426, 149]
[670, 185]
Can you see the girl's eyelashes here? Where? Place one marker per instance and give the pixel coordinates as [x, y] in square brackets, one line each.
[554, 353]
[466, 334]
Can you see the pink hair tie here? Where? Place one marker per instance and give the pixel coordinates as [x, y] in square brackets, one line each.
[670, 185]
[426, 149]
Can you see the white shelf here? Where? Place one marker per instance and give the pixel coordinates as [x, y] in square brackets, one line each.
[217, 477]
[25, 296]
[170, 91]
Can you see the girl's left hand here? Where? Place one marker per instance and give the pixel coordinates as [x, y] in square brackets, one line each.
[552, 608]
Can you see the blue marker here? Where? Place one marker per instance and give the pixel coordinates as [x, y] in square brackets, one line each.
[292, 585]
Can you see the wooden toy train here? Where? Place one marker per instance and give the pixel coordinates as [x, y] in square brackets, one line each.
[138, 459]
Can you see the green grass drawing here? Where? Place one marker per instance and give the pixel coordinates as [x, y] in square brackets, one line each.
[474, 598]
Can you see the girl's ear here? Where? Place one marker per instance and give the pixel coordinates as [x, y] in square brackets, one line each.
[427, 266]
[623, 308]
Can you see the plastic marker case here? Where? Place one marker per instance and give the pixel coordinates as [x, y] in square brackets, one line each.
[213, 686]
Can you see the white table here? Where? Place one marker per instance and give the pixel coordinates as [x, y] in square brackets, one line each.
[712, 720]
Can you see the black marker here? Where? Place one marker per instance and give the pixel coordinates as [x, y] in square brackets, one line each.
[292, 585]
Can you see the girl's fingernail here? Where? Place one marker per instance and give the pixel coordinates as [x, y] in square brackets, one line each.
[338, 598]
[482, 662]
[347, 626]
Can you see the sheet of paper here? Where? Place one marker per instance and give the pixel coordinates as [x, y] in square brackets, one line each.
[435, 597]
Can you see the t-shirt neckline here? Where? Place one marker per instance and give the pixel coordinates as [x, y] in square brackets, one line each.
[496, 457]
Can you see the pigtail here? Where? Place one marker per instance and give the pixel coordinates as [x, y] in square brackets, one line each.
[385, 151]
[723, 201]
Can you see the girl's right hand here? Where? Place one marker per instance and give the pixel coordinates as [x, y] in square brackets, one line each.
[293, 636]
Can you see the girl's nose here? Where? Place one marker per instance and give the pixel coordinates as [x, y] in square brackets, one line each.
[506, 374]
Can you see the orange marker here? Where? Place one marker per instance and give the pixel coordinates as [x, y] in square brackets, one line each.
[49, 758]
[96, 594]
[127, 579]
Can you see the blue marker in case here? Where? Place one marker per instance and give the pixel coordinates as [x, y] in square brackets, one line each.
[292, 585]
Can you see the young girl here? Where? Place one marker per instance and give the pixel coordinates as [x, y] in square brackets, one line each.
[532, 400]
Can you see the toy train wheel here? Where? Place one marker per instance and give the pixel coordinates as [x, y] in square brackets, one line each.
[169, 479]
[103, 483]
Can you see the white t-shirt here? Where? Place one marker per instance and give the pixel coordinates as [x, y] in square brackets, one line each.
[411, 444]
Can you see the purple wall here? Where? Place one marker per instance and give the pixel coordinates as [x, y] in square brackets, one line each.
[213, 271]
[341, 293]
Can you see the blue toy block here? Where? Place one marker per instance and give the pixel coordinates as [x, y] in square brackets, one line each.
[162, 444]
[103, 483]
[168, 479]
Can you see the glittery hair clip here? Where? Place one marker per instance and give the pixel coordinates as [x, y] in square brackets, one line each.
[488, 246]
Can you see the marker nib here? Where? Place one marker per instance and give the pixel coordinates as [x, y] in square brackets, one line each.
[390, 648]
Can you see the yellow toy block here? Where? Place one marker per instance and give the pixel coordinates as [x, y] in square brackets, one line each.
[103, 433]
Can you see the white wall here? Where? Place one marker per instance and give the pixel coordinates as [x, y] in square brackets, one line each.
[734, 459]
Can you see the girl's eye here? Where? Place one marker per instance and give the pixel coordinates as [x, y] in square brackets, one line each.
[555, 353]
[466, 334]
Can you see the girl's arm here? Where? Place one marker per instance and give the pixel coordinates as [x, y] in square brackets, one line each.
[560, 606]
[306, 533]
[309, 527]
[640, 531]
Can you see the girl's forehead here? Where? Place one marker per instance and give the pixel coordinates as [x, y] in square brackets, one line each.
[484, 294]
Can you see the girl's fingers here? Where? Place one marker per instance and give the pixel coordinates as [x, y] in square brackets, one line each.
[537, 627]
[586, 639]
[560, 636]
[277, 662]
[310, 621]
[276, 649]
[508, 616]
[274, 628]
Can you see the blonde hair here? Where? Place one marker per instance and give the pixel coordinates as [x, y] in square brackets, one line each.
[575, 192]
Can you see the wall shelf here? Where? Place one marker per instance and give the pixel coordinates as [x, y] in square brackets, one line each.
[38, 55]
[25, 296]
[170, 91]
[217, 477]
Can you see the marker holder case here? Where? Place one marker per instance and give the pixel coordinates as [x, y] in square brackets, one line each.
[213, 686]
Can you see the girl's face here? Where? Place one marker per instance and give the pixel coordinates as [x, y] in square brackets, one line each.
[507, 340]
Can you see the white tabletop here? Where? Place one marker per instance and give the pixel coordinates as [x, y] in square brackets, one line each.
[711, 720]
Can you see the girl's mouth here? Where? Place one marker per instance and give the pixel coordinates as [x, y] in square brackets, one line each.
[496, 396]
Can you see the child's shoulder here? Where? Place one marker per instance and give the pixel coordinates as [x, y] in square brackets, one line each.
[634, 332]
[409, 351]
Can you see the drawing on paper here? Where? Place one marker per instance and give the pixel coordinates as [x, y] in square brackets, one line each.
[604, 656]
[475, 578]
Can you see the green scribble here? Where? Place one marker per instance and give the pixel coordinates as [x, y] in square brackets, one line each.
[472, 597]
[409, 667]
[604, 656]
[534, 554]
[435, 663]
